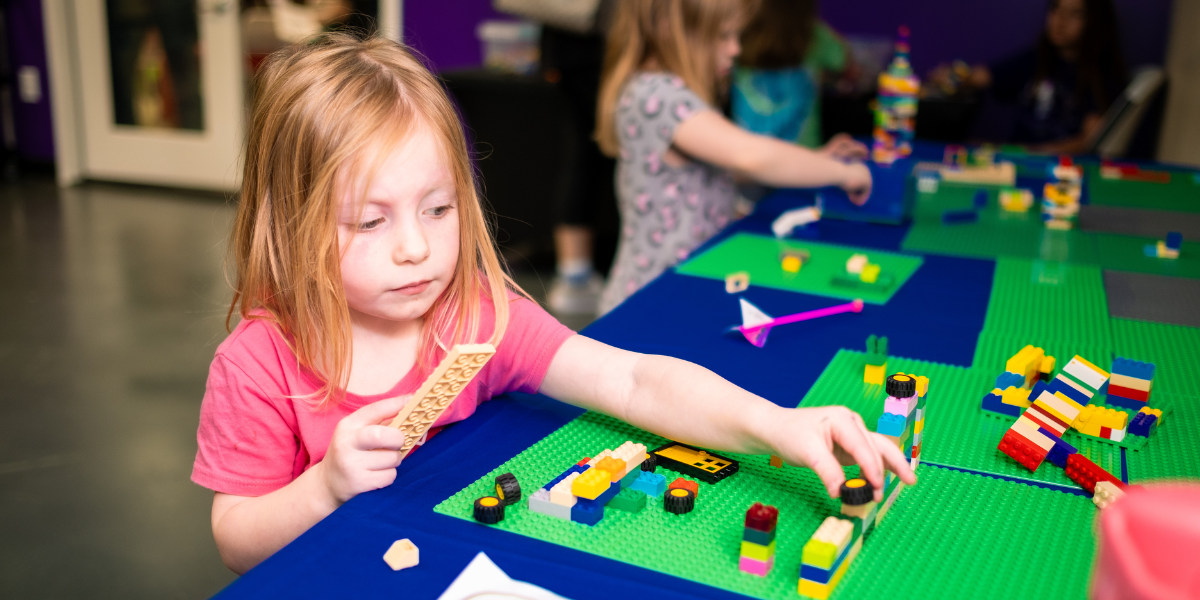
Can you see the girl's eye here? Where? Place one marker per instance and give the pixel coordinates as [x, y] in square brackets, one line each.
[440, 210]
[369, 225]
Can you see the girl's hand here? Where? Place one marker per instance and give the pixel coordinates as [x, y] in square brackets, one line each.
[364, 452]
[826, 438]
[857, 183]
[844, 147]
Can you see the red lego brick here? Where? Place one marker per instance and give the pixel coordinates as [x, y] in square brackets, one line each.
[1130, 393]
[762, 517]
[1106, 432]
[1086, 473]
[1037, 419]
[687, 485]
[583, 462]
[1029, 455]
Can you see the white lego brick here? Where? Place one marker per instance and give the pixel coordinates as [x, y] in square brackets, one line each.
[1086, 374]
[561, 492]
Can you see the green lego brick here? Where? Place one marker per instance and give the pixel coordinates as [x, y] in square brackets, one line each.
[628, 500]
[759, 256]
[958, 432]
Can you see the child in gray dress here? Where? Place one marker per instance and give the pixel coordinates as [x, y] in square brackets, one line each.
[677, 156]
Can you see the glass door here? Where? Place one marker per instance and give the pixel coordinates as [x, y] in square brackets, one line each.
[160, 91]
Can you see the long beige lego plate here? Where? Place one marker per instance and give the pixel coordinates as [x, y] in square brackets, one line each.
[444, 384]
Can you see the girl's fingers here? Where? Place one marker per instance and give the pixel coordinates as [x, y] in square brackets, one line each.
[380, 460]
[377, 412]
[854, 439]
[822, 462]
[895, 459]
[378, 437]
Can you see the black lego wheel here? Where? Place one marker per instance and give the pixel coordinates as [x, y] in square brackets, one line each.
[679, 501]
[856, 492]
[650, 464]
[508, 490]
[901, 386]
[489, 510]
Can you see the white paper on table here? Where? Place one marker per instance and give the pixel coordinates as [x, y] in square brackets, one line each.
[483, 580]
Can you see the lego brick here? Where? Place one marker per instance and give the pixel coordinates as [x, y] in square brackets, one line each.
[955, 217]
[1026, 453]
[819, 591]
[1016, 396]
[628, 500]
[540, 502]
[1046, 367]
[402, 555]
[1086, 473]
[870, 273]
[1064, 385]
[1142, 424]
[651, 484]
[695, 462]
[630, 477]
[861, 511]
[1084, 371]
[1029, 430]
[1006, 380]
[1128, 393]
[1132, 383]
[1117, 435]
[891, 425]
[1128, 403]
[563, 493]
[762, 517]
[762, 538]
[757, 552]
[1046, 422]
[614, 466]
[874, 374]
[838, 532]
[755, 567]
[1153, 411]
[685, 484]
[1059, 453]
[587, 512]
[737, 282]
[591, 483]
[453, 374]
[776, 462]
[1133, 369]
[856, 263]
[1106, 492]
[1174, 240]
[564, 475]
[992, 402]
[1059, 406]
[900, 406]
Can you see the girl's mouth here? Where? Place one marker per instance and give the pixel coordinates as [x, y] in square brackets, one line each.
[413, 289]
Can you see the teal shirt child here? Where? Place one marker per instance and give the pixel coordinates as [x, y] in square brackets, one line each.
[786, 103]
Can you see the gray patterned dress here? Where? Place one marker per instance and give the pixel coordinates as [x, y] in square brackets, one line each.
[666, 212]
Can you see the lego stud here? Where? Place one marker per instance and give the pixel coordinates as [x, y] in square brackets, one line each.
[489, 510]
[856, 492]
[679, 501]
[507, 489]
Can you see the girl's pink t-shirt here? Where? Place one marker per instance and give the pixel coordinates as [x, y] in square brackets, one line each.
[258, 432]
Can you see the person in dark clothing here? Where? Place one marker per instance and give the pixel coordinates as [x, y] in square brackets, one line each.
[1064, 84]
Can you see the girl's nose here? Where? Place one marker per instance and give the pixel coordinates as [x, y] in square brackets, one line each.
[410, 244]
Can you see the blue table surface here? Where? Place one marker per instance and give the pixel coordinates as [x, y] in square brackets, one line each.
[936, 316]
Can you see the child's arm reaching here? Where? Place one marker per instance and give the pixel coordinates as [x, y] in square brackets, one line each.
[363, 455]
[710, 137]
[688, 403]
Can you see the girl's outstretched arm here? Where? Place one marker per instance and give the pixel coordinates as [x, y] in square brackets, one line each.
[710, 137]
[688, 403]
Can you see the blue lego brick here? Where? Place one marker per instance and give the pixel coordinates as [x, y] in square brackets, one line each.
[1114, 400]
[1039, 386]
[1141, 424]
[1048, 433]
[1057, 385]
[890, 424]
[565, 474]
[1006, 380]
[651, 484]
[815, 574]
[981, 199]
[1174, 240]
[609, 494]
[762, 538]
[820, 575]
[993, 403]
[1133, 368]
[588, 512]
[1150, 250]
[954, 217]
[1059, 453]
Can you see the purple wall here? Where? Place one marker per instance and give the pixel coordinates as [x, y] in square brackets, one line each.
[444, 31]
[942, 30]
[945, 30]
[27, 47]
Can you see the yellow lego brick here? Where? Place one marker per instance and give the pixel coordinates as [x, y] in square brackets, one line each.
[1084, 361]
[1114, 419]
[1068, 401]
[791, 264]
[919, 427]
[819, 554]
[1016, 396]
[870, 273]
[875, 374]
[614, 466]
[758, 551]
[1054, 405]
[591, 483]
[1133, 383]
[1026, 363]
[1087, 422]
[922, 385]
[1047, 365]
[821, 591]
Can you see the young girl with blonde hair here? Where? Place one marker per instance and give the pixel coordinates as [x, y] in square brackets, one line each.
[668, 64]
[362, 254]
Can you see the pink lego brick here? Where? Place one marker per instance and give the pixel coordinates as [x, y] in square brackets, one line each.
[899, 406]
[754, 566]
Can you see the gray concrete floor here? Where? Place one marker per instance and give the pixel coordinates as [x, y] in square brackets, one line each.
[112, 301]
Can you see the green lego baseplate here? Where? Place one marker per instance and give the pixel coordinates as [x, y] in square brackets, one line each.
[946, 534]
[998, 233]
[1177, 195]
[1174, 450]
[958, 432]
[759, 256]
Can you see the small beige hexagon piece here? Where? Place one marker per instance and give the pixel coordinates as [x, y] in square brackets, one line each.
[402, 555]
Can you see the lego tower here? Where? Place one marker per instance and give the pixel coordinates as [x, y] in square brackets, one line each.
[896, 106]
